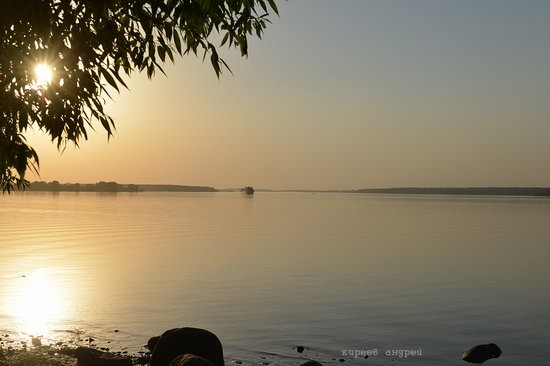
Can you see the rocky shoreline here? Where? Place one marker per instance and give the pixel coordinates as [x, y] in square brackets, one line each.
[175, 347]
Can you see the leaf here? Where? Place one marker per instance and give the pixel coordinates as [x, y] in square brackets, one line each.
[161, 52]
[273, 6]
[262, 4]
[120, 80]
[105, 123]
[224, 40]
[177, 41]
[214, 59]
[109, 78]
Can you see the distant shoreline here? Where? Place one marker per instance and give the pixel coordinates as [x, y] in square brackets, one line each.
[55, 186]
[444, 191]
[466, 191]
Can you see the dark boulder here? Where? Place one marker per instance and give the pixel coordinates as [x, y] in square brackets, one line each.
[311, 363]
[92, 357]
[190, 360]
[152, 343]
[179, 341]
[482, 353]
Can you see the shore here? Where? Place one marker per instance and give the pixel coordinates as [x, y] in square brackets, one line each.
[184, 347]
[54, 356]
[39, 356]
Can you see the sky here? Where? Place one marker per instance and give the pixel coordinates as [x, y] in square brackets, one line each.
[341, 94]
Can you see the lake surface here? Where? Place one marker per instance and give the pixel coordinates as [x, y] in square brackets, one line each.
[266, 273]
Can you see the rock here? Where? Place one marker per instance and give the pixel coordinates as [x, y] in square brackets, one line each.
[311, 363]
[142, 360]
[482, 353]
[179, 341]
[190, 360]
[36, 342]
[92, 357]
[300, 349]
[152, 343]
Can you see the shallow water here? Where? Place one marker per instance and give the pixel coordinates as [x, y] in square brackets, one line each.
[330, 272]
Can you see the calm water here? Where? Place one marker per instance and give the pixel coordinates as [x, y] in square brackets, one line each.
[331, 272]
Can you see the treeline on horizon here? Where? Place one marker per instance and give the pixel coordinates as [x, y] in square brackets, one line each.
[469, 191]
[55, 186]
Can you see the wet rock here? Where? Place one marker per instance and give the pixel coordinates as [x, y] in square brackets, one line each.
[190, 360]
[36, 341]
[311, 363]
[179, 341]
[92, 357]
[482, 353]
[142, 360]
[152, 343]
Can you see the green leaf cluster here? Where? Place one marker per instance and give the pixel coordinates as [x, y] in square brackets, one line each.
[92, 45]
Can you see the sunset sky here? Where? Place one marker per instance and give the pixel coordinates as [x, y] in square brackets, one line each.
[342, 94]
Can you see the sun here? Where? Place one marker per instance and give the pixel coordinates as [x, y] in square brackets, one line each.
[43, 74]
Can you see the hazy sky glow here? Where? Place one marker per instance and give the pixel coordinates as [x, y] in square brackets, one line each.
[342, 94]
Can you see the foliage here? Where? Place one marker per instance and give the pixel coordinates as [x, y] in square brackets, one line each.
[91, 45]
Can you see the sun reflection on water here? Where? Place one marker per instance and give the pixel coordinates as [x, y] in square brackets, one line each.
[38, 304]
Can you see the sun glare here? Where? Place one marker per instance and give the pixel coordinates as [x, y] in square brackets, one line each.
[39, 304]
[43, 74]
